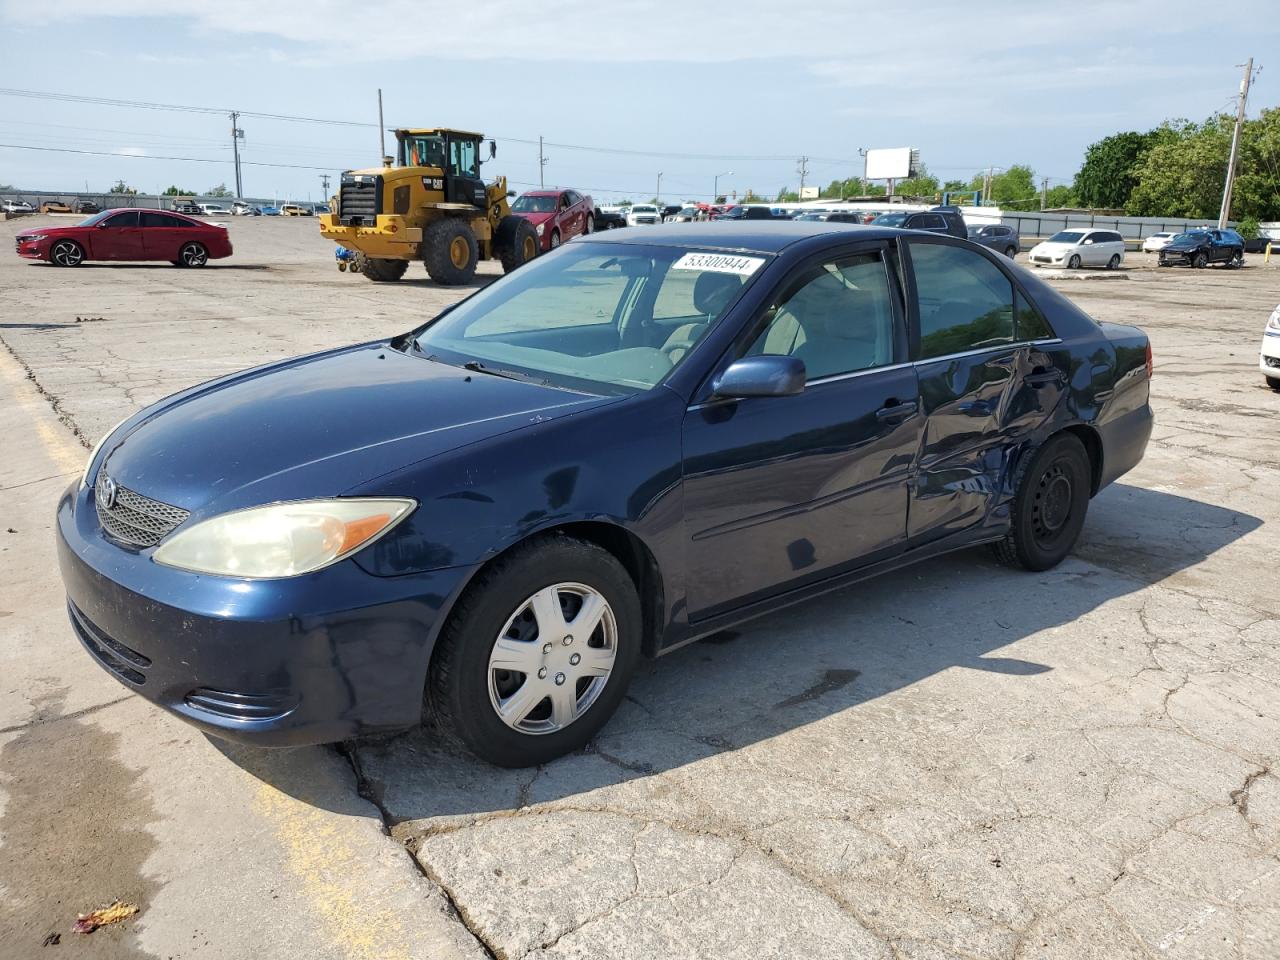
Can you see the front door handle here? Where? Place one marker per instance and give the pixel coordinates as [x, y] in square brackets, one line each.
[893, 411]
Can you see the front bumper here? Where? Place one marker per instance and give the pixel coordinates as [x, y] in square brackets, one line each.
[34, 250]
[389, 238]
[312, 659]
[1269, 357]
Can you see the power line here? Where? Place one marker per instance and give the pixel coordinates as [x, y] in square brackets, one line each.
[149, 156]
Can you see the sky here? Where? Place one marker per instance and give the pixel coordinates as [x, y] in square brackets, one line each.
[622, 91]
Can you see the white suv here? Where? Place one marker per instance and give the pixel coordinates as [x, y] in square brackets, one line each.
[214, 210]
[1079, 247]
[643, 213]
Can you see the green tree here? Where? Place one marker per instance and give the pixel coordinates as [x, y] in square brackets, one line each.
[1257, 189]
[1062, 195]
[1015, 185]
[219, 191]
[921, 185]
[1183, 175]
[172, 191]
[121, 187]
[1110, 170]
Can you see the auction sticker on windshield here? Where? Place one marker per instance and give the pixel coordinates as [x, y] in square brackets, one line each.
[719, 263]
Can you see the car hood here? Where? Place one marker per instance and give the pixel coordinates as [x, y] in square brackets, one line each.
[536, 218]
[1188, 244]
[318, 426]
[51, 231]
[1046, 246]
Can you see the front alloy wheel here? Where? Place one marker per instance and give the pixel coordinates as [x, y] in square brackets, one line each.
[66, 253]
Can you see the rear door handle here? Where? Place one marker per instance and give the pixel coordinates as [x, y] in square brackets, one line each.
[896, 411]
[1040, 377]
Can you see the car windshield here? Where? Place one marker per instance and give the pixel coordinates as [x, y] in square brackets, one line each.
[644, 208]
[890, 220]
[688, 211]
[1196, 235]
[602, 318]
[528, 204]
[1067, 236]
[90, 221]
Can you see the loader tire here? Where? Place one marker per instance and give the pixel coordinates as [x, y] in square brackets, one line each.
[450, 251]
[516, 242]
[380, 270]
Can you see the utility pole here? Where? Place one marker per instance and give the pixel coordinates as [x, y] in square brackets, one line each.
[542, 162]
[382, 133]
[1044, 193]
[802, 168]
[236, 136]
[715, 185]
[1225, 213]
[324, 185]
[657, 197]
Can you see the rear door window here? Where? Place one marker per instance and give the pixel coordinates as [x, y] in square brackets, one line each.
[965, 301]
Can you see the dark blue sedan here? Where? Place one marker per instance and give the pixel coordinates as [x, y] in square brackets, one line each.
[620, 447]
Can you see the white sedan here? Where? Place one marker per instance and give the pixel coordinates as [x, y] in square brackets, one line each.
[1269, 361]
[1157, 242]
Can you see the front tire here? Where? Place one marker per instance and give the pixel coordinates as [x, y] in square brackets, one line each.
[1074, 262]
[193, 255]
[1049, 506]
[1200, 261]
[450, 251]
[66, 253]
[1273, 383]
[591, 224]
[555, 239]
[517, 677]
[384, 270]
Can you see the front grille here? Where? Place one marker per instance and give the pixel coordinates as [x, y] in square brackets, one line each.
[125, 662]
[133, 518]
[359, 201]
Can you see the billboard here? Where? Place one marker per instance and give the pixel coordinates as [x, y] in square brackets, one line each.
[808, 193]
[893, 163]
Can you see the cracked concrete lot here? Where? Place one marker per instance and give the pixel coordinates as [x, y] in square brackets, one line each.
[955, 761]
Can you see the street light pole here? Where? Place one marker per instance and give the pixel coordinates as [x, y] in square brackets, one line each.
[657, 198]
[715, 185]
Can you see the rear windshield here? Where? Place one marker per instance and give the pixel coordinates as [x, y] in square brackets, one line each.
[890, 220]
[1067, 236]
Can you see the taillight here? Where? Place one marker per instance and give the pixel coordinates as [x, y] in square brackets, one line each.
[1150, 364]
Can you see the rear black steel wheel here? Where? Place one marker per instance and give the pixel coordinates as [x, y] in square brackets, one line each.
[1049, 506]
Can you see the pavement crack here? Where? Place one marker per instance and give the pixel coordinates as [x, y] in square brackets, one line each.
[38, 721]
[366, 788]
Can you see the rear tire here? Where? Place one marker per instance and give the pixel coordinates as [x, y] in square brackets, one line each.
[450, 251]
[1049, 506]
[193, 255]
[382, 270]
[464, 688]
[1010, 252]
[516, 242]
[1114, 262]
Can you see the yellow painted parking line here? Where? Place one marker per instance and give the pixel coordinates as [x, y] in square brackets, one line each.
[59, 444]
[329, 869]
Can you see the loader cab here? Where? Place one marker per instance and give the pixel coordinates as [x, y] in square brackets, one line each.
[455, 152]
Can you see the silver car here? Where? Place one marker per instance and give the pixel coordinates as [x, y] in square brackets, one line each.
[997, 237]
[1079, 247]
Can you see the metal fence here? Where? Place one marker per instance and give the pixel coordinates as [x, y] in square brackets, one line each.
[146, 201]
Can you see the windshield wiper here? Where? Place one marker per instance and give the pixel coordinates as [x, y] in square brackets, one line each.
[476, 366]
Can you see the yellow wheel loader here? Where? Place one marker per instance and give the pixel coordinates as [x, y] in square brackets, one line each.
[428, 203]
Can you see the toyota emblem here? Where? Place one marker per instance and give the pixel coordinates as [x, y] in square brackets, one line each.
[109, 490]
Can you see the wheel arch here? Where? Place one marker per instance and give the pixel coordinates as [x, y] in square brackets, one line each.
[1092, 441]
[625, 547]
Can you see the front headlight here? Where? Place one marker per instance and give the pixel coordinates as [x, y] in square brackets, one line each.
[93, 454]
[283, 539]
[1273, 323]
[539, 228]
[31, 237]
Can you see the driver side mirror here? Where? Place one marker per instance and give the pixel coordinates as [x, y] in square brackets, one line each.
[763, 376]
[493, 149]
[1088, 240]
[511, 193]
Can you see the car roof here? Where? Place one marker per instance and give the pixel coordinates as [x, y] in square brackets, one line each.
[542, 193]
[759, 236]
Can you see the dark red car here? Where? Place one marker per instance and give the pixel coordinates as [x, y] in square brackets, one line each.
[127, 235]
[556, 215]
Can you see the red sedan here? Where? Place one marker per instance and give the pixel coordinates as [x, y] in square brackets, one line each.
[127, 235]
[556, 215]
